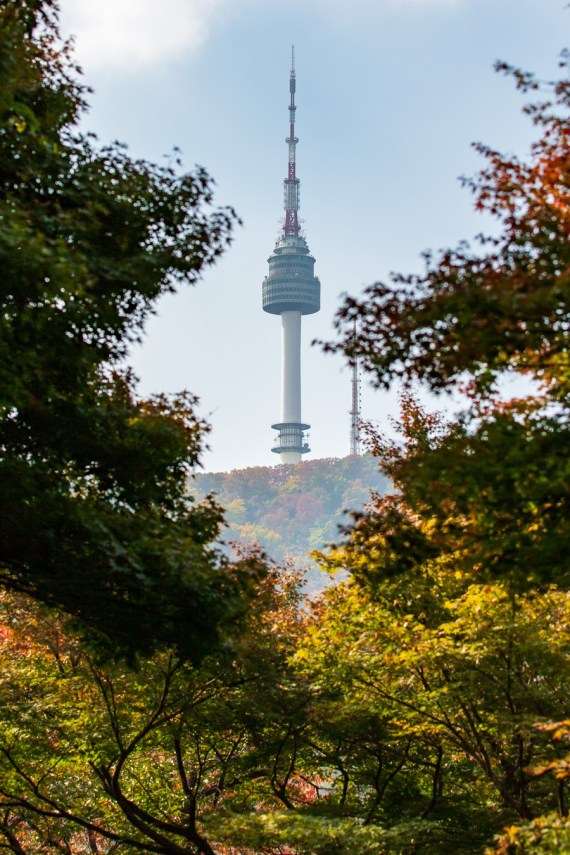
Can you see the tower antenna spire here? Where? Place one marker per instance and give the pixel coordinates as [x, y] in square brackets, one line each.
[291, 195]
[291, 290]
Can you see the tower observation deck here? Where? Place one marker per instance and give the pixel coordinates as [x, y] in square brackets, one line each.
[291, 290]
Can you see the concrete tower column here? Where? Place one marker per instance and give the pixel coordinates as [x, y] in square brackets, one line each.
[291, 375]
[291, 367]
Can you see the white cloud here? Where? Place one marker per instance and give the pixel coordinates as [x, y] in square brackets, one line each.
[127, 35]
[131, 34]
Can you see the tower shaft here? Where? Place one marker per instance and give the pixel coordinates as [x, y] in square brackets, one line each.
[291, 362]
[291, 432]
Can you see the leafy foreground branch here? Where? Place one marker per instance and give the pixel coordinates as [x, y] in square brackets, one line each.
[107, 757]
[405, 722]
[94, 512]
[477, 500]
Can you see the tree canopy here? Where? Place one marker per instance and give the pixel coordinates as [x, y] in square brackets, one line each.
[475, 315]
[494, 482]
[481, 501]
[94, 512]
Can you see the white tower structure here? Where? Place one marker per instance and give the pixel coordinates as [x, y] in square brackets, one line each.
[291, 290]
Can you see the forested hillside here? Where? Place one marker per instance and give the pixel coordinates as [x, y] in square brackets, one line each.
[291, 510]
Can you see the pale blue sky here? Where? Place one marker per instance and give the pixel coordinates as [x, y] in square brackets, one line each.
[390, 94]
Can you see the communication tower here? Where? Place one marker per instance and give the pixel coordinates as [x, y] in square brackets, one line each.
[355, 412]
[291, 290]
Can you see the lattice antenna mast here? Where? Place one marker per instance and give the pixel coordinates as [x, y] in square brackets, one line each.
[291, 183]
[355, 416]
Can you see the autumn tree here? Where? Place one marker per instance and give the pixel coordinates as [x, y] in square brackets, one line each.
[94, 513]
[478, 520]
[459, 674]
[242, 751]
[495, 482]
[152, 759]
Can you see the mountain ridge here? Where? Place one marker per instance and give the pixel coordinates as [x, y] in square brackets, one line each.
[290, 510]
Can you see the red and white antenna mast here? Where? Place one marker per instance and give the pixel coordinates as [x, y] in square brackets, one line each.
[291, 183]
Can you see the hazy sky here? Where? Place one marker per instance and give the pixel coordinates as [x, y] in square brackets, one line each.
[390, 94]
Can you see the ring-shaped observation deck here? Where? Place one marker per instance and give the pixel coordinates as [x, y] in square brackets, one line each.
[291, 285]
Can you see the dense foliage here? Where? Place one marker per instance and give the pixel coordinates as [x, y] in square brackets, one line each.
[291, 510]
[94, 514]
[95, 756]
[483, 498]
[494, 483]
[404, 723]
